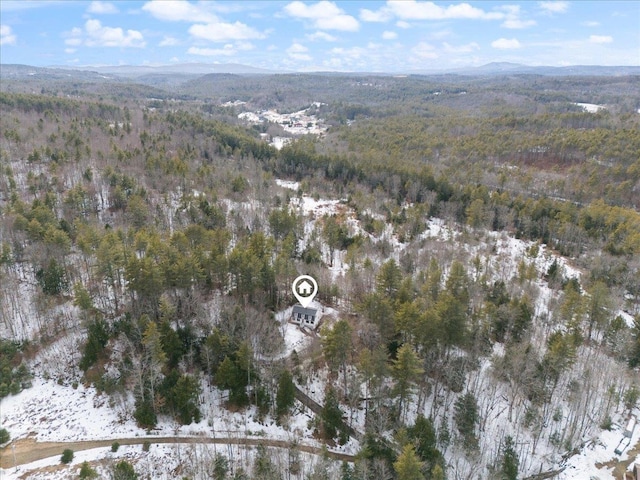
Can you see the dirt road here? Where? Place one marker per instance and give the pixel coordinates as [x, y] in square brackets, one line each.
[28, 450]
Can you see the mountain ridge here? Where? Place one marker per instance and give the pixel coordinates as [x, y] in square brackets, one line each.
[489, 69]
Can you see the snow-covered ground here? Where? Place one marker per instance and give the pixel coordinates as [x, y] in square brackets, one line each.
[163, 461]
[279, 142]
[290, 184]
[591, 107]
[599, 451]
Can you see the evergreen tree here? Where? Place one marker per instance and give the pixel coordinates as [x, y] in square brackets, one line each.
[145, 414]
[388, 279]
[184, 399]
[437, 473]
[86, 472]
[123, 470]
[97, 338]
[286, 394]
[331, 417]
[510, 461]
[466, 418]
[408, 466]
[423, 435]
[405, 371]
[67, 456]
[263, 467]
[337, 346]
[52, 278]
[220, 467]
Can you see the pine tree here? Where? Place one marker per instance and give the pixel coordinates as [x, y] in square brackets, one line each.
[510, 461]
[423, 435]
[388, 279]
[406, 371]
[337, 346]
[466, 418]
[331, 416]
[123, 470]
[286, 394]
[67, 456]
[408, 466]
[263, 467]
[53, 278]
[97, 338]
[86, 472]
[184, 399]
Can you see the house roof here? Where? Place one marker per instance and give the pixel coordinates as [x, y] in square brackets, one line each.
[304, 311]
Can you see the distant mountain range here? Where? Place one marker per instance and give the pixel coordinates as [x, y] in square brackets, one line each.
[500, 68]
[194, 69]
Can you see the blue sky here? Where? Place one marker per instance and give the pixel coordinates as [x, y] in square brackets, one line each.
[394, 36]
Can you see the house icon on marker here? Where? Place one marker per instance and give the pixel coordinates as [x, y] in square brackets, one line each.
[305, 288]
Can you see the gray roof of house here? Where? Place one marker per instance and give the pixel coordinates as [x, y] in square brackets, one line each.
[304, 311]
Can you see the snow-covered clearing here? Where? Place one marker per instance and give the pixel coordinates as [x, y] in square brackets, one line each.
[591, 107]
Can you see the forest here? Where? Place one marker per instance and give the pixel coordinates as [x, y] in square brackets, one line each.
[476, 241]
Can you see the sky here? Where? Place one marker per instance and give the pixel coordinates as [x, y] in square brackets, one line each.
[392, 36]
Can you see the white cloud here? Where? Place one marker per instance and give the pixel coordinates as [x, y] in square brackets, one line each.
[517, 23]
[227, 51]
[97, 35]
[513, 20]
[353, 53]
[102, 8]
[424, 50]
[600, 39]
[382, 15]
[415, 10]
[324, 15]
[179, 11]
[554, 7]
[321, 36]
[506, 43]
[403, 24]
[7, 37]
[591, 24]
[467, 48]
[69, 50]
[298, 52]
[169, 42]
[388, 35]
[222, 32]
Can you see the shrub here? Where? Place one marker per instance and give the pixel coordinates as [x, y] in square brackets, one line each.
[67, 456]
[124, 471]
[86, 472]
[115, 446]
[146, 445]
[4, 436]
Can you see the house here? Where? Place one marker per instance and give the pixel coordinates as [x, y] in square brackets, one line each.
[305, 317]
[631, 426]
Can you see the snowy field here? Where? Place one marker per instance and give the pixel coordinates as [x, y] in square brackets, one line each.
[591, 107]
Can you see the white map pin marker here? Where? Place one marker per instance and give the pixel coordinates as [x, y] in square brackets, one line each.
[305, 289]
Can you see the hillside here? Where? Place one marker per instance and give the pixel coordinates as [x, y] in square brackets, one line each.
[476, 242]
